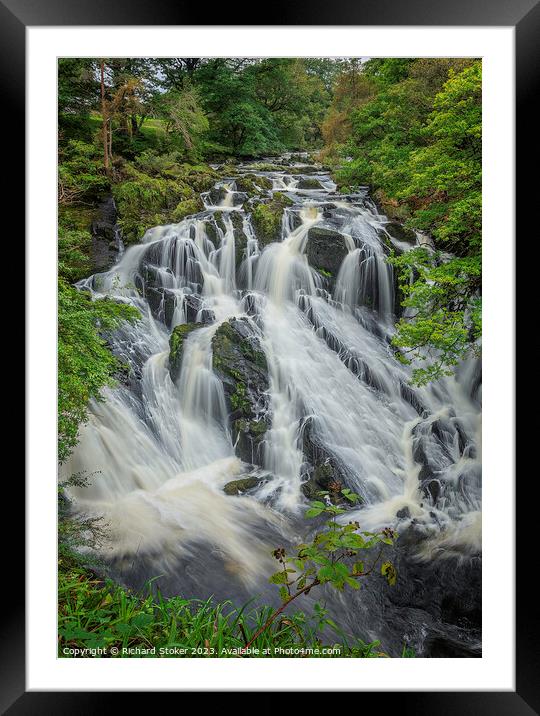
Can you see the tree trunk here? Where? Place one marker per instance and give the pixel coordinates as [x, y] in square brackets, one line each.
[104, 120]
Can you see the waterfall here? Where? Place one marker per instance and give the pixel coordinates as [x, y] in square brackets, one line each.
[160, 450]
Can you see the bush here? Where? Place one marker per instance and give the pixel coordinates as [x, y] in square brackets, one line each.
[81, 176]
[85, 364]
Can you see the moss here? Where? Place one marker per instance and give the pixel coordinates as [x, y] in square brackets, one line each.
[186, 208]
[237, 487]
[176, 343]
[257, 427]
[218, 217]
[252, 184]
[239, 399]
[168, 195]
[266, 167]
[76, 218]
[267, 218]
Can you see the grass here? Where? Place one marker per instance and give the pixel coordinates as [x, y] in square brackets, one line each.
[102, 619]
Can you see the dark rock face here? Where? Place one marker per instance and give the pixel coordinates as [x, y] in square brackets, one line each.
[105, 232]
[450, 599]
[322, 468]
[240, 239]
[326, 249]
[176, 344]
[400, 232]
[240, 364]
[218, 194]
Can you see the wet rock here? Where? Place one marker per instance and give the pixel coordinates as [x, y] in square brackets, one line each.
[325, 474]
[400, 232]
[240, 238]
[240, 364]
[408, 394]
[238, 487]
[267, 218]
[105, 233]
[430, 450]
[433, 488]
[326, 249]
[404, 513]
[253, 185]
[176, 344]
[309, 183]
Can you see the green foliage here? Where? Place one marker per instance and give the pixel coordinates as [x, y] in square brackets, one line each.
[446, 321]
[417, 141]
[78, 89]
[332, 556]
[95, 615]
[185, 118]
[75, 532]
[74, 244]
[80, 173]
[85, 364]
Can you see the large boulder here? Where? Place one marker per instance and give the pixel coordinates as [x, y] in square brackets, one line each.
[267, 218]
[326, 250]
[309, 183]
[240, 364]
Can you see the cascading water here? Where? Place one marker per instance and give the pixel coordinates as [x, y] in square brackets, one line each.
[160, 446]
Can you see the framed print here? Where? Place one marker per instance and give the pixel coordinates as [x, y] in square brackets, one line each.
[270, 290]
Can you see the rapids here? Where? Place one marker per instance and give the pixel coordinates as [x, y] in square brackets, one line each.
[159, 451]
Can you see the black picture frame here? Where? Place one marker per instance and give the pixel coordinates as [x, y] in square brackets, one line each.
[524, 16]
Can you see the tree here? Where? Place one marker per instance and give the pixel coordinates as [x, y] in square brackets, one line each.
[185, 116]
[417, 141]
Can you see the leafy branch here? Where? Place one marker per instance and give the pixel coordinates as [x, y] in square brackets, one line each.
[328, 559]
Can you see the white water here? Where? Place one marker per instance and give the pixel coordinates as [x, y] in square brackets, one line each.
[163, 449]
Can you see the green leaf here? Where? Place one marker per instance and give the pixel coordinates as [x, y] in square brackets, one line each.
[388, 570]
[278, 578]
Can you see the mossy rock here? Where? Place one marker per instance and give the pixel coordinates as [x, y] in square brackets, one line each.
[252, 184]
[245, 183]
[176, 344]
[266, 167]
[187, 208]
[309, 183]
[267, 218]
[241, 365]
[238, 487]
[218, 218]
